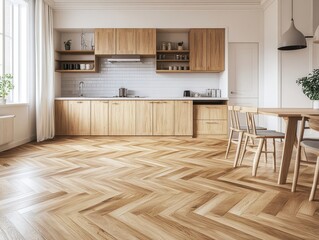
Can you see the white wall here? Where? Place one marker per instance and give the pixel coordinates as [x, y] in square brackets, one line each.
[243, 25]
[24, 129]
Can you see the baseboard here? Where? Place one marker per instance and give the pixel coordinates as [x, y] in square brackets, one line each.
[16, 144]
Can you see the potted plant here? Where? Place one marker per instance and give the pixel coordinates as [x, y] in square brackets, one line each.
[6, 86]
[180, 45]
[67, 45]
[310, 87]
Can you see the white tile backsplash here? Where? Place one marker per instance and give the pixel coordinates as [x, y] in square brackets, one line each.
[139, 78]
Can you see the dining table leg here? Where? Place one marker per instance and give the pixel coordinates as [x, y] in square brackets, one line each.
[290, 138]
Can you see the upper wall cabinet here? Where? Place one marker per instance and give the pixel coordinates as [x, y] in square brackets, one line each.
[207, 50]
[125, 41]
[145, 41]
[105, 41]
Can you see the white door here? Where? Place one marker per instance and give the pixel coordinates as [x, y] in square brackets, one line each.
[243, 75]
[243, 72]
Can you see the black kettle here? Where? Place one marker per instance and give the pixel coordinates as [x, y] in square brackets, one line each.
[187, 93]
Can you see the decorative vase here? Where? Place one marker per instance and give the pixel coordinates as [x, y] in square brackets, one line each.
[3, 101]
[315, 104]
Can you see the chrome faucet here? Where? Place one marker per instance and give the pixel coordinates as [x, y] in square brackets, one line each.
[81, 84]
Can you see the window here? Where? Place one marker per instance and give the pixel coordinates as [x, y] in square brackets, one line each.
[13, 46]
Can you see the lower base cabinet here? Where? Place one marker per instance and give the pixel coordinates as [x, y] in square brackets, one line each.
[79, 118]
[99, 118]
[141, 118]
[210, 120]
[121, 117]
[163, 118]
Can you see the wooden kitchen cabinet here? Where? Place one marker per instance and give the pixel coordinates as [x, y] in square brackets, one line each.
[144, 119]
[163, 117]
[198, 49]
[210, 120]
[99, 117]
[145, 41]
[104, 41]
[61, 117]
[125, 41]
[79, 118]
[216, 50]
[183, 118]
[121, 117]
[207, 50]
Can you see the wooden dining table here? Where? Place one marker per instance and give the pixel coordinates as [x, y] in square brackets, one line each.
[291, 117]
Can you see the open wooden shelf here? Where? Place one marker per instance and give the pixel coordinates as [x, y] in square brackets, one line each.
[172, 51]
[173, 71]
[75, 51]
[76, 71]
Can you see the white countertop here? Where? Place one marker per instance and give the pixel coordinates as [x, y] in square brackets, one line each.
[142, 98]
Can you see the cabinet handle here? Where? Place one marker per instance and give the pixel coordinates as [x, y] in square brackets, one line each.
[232, 92]
[115, 103]
[186, 102]
[79, 102]
[105, 102]
[211, 122]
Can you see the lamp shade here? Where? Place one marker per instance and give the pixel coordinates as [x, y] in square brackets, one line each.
[316, 36]
[293, 39]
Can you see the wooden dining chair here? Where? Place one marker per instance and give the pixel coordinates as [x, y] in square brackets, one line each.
[261, 135]
[234, 128]
[310, 145]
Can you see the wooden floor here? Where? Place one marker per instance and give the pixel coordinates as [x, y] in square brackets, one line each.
[147, 188]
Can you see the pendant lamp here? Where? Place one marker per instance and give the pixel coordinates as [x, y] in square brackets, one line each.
[293, 39]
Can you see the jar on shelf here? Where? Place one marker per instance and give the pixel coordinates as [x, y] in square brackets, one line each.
[164, 46]
[169, 46]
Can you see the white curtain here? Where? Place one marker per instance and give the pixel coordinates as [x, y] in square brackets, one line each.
[44, 58]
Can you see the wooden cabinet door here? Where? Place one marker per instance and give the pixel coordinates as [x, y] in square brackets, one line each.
[143, 118]
[61, 117]
[145, 41]
[104, 41]
[216, 50]
[210, 112]
[99, 117]
[125, 41]
[79, 118]
[122, 117]
[184, 118]
[198, 56]
[163, 118]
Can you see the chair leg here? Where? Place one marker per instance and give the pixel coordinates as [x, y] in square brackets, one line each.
[257, 156]
[274, 154]
[266, 150]
[296, 171]
[244, 150]
[229, 143]
[240, 138]
[315, 182]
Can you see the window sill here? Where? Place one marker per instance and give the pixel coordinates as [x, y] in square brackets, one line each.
[7, 105]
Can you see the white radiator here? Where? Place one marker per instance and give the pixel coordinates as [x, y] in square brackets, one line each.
[6, 129]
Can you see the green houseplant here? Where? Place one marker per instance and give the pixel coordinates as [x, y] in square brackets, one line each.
[6, 86]
[310, 87]
[67, 44]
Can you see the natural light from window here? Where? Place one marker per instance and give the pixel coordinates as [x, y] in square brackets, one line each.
[13, 46]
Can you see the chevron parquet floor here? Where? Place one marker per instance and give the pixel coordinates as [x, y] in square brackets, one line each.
[147, 188]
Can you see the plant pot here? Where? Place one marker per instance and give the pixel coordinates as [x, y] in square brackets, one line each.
[179, 47]
[3, 101]
[315, 104]
[67, 47]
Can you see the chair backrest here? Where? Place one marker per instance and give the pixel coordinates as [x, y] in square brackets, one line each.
[234, 119]
[250, 118]
[313, 122]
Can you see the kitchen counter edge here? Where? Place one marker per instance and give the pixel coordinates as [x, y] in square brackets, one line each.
[141, 99]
